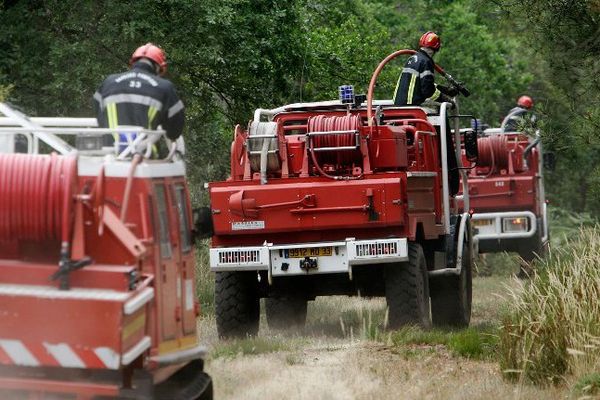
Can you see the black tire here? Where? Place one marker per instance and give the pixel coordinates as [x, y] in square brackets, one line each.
[407, 290]
[451, 295]
[532, 248]
[286, 313]
[189, 383]
[237, 306]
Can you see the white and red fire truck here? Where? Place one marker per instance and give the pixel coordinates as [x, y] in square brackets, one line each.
[507, 195]
[340, 197]
[97, 284]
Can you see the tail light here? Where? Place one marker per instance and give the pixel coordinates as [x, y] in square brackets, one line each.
[519, 224]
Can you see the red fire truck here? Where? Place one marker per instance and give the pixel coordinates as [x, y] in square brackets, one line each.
[97, 291]
[342, 198]
[506, 191]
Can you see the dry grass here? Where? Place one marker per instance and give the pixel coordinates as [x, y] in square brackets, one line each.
[552, 333]
[363, 370]
[344, 353]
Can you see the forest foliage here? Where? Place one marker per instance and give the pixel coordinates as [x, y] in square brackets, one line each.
[228, 57]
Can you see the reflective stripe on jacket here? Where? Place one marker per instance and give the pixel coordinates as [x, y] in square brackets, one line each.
[415, 83]
[139, 97]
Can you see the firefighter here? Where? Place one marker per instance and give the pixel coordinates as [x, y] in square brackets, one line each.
[521, 117]
[140, 97]
[416, 83]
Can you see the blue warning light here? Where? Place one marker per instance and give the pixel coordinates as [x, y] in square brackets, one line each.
[346, 93]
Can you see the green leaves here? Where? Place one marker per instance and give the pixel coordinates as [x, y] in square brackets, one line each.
[228, 57]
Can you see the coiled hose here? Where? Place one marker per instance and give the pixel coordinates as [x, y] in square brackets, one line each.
[493, 153]
[36, 196]
[321, 123]
[346, 157]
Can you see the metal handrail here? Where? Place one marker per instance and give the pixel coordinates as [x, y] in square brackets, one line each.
[340, 148]
[261, 136]
[324, 133]
[254, 152]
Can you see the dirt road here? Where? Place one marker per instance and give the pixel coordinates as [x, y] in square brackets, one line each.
[345, 354]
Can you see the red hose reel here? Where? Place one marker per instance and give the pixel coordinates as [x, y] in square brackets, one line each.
[501, 152]
[493, 152]
[348, 123]
[37, 197]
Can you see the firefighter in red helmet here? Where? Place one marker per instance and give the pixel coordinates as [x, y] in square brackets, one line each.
[521, 117]
[141, 96]
[416, 83]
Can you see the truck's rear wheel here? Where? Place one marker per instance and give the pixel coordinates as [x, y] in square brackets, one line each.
[451, 295]
[237, 306]
[286, 313]
[189, 383]
[407, 290]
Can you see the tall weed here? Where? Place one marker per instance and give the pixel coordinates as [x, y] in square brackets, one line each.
[552, 328]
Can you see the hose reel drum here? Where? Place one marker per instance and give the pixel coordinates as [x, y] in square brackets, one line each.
[263, 148]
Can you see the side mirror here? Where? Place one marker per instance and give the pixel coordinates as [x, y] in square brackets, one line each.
[470, 143]
[549, 160]
[203, 224]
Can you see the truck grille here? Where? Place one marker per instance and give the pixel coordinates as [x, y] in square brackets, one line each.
[376, 249]
[239, 256]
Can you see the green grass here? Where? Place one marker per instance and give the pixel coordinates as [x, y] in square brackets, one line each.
[563, 224]
[587, 385]
[473, 343]
[478, 343]
[496, 264]
[250, 346]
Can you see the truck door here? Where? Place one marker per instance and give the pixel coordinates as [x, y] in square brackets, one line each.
[185, 257]
[168, 274]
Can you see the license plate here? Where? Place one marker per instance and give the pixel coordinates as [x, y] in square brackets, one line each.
[308, 252]
[482, 222]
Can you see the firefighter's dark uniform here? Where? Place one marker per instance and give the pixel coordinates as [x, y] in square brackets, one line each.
[141, 98]
[415, 85]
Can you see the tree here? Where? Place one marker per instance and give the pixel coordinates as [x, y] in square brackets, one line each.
[565, 35]
[228, 57]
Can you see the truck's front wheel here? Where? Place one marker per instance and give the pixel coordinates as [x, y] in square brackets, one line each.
[451, 295]
[237, 306]
[407, 290]
[286, 313]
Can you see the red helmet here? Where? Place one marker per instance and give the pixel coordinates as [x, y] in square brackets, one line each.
[525, 101]
[430, 39]
[153, 53]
